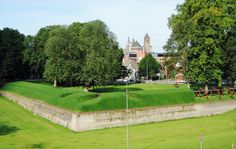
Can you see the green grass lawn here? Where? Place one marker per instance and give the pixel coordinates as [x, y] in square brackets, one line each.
[111, 97]
[20, 129]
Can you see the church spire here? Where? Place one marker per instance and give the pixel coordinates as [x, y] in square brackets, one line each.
[147, 36]
[147, 43]
[128, 44]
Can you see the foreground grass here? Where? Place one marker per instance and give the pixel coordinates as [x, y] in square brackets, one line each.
[20, 129]
[111, 97]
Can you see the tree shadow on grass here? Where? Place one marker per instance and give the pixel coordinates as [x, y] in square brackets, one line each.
[114, 89]
[38, 145]
[66, 94]
[6, 129]
[2, 84]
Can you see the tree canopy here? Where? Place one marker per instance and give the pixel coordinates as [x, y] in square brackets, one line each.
[34, 52]
[199, 32]
[230, 55]
[63, 56]
[11, 54]
[103, 60]
[149, 67]
[83, 52]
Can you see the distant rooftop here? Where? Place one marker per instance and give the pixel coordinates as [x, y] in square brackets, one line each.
[136, 44]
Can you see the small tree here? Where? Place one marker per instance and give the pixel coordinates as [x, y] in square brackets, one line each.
[148, 66]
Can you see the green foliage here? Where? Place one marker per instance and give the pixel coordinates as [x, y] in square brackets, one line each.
[103, 60]
[11, 55]
[83, 52]
[230, 55]
[124, 72]
[199, 32]
[148, 66]
[171, 57]
[169, 64]
[34, 52]
[63, 53]
[219, 132]
[111, 97]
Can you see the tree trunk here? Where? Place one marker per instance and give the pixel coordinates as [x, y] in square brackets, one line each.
[55, 83]
[85, 89]
[206, 90]
[71, 83]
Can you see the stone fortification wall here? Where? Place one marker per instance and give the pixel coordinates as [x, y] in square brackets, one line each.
[54, 114]
[81, 121]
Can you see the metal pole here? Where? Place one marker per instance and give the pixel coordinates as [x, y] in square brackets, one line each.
[147, 68]
[186, 71]
[201, 141]
[127, 116]
[188, 44]
[201, 145]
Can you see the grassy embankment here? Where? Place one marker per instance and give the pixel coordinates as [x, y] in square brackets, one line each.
[20, 129]
[111, 97]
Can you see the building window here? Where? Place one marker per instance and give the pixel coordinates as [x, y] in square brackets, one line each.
[132, 55]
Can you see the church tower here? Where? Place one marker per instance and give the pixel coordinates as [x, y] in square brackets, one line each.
[147, 44]
[128, 45]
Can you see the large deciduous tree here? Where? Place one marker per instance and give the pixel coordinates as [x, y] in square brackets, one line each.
[230, 55]
[11, 54]
[103, 57]
[34, 52]
[199, 32]
[83, 52]
[63, 56]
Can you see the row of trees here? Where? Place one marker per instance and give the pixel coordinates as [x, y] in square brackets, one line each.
[81, 53]
[203, 39]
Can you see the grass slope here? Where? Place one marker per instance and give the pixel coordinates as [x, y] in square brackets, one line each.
[111, 97]
[20, 129]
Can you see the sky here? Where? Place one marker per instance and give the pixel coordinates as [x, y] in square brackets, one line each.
[125, 18]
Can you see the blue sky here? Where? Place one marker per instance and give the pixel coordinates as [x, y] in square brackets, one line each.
[133, 18]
